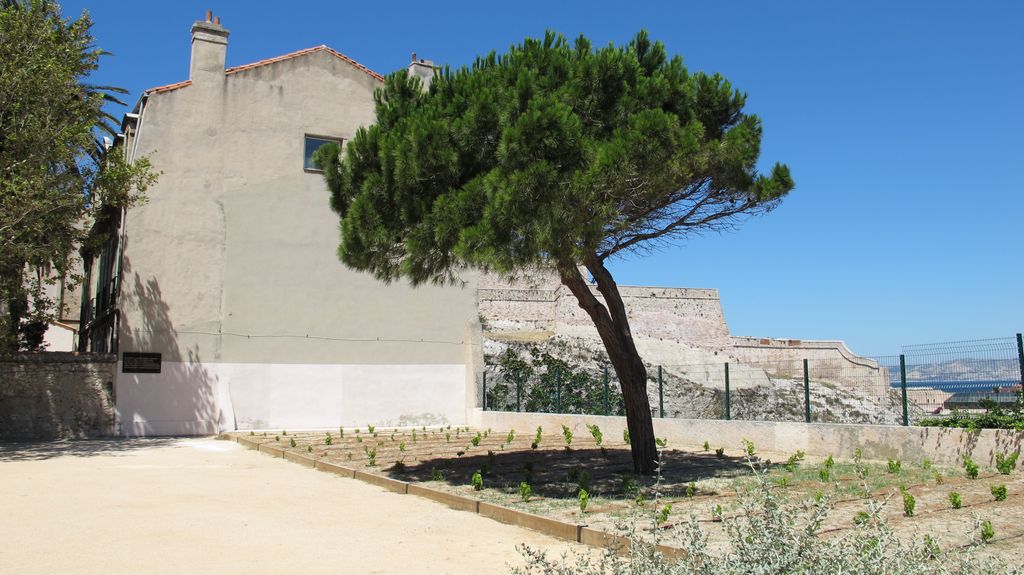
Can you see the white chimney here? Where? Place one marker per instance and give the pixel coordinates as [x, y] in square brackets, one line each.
[423, 69]
[209, 49]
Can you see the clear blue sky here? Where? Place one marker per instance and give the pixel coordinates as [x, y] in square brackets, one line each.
[901, 122]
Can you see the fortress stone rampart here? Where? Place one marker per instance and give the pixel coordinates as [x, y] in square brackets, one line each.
[538, 306]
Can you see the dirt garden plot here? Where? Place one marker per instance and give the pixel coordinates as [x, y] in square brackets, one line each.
[703, 484]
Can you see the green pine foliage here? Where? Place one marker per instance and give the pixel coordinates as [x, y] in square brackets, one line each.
[553, 155]
[552, 150]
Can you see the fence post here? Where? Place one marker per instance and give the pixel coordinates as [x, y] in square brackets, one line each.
[1020, 357]
[606, 390]
[558, 390]
[903, 388]
[807, 394]
[519, 392]
[661, 393]
[728, 403]
[485, 390]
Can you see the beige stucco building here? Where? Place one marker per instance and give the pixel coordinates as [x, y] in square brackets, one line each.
[230, 272]
[228, 308]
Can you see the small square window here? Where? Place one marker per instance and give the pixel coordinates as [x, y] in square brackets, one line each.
[313, 144]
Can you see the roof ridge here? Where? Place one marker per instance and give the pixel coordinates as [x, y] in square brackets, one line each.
[266, 61]
[303, 52]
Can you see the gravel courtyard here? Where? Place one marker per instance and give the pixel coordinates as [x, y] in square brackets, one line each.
[208, 506]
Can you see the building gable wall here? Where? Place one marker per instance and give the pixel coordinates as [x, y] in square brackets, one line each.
[231, 273]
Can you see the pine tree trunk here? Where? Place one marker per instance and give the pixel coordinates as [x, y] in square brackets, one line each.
[613, 327]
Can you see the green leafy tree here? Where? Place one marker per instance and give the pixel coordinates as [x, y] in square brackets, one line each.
[554, 155]
[57, 175]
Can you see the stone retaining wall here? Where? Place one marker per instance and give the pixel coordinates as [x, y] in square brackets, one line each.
[689, 315]
[831, 361]
[943, 446]
[56, 395]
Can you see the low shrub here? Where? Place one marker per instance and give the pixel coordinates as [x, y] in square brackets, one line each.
[525, 491]
[794, 460]
[987, 532]
[825, 473]
[909, 503]
[955, 501]
[749, 448]
[999, 492]
[1006, 463]
[664, 513]
[970, 468]
[477, 481]
[769, 534]
[717, 514]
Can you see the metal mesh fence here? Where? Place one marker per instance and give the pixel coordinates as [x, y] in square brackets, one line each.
[551, 388]
[890, 390]
[958, 375]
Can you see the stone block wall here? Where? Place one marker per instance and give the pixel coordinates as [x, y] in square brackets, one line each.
[56, 396]
[686, 315]
[829, 360]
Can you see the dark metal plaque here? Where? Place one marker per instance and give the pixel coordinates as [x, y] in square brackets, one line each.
[132, 362]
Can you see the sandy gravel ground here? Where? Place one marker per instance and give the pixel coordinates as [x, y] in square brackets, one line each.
[208, 506]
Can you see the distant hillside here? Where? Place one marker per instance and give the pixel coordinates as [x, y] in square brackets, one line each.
[982, 371]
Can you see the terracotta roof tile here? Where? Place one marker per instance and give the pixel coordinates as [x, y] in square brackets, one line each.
[289, 56]
[168, 87]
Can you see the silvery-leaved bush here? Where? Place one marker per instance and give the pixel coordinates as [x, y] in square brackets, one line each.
[771, 535]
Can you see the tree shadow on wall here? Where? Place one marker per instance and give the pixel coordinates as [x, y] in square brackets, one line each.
[182, 399]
